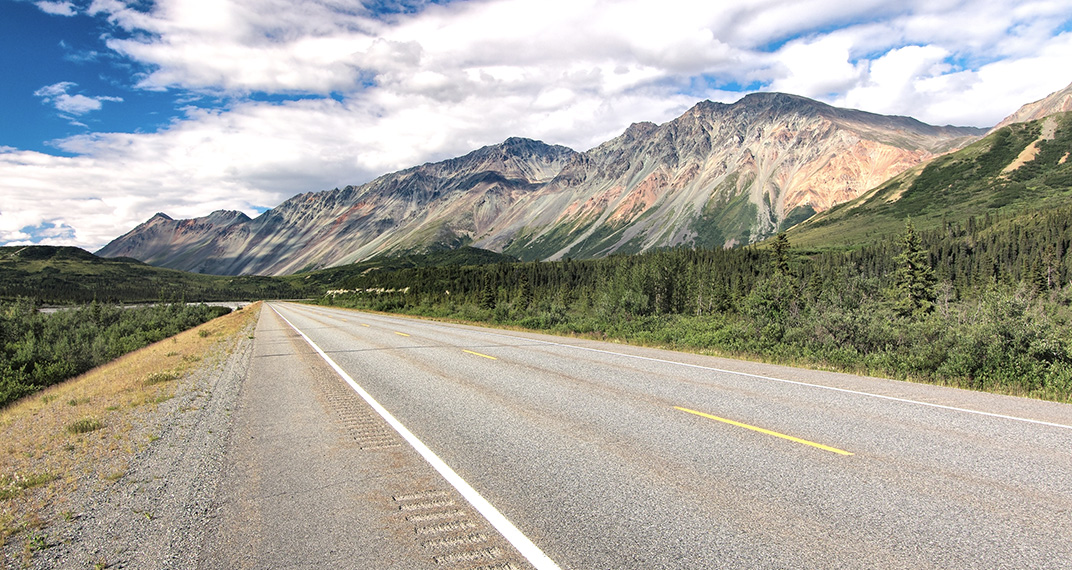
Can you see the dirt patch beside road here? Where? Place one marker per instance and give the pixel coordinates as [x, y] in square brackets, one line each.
[115, 468]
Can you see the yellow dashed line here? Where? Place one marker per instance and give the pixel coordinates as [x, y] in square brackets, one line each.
[478, 354]
[766, 431]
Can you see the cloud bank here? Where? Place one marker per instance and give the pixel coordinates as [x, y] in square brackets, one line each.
[325, 93]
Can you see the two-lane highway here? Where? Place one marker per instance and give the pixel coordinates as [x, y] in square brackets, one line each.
[606, 456]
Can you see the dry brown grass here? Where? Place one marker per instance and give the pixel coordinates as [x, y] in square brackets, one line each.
[47, 449]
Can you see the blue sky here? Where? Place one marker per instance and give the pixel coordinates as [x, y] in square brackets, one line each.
[114, 110]
[42, 50]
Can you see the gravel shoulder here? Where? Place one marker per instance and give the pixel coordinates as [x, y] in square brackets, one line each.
[315, 479]
[139, 497]
[258, 456]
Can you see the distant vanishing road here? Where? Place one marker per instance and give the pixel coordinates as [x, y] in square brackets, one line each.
[604, 456]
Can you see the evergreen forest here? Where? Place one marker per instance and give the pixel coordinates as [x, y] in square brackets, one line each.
[982, 304]
[72, 276]
[38, 349]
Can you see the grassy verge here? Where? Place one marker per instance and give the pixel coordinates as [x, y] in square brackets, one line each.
[85, 431]
[39, 349]
[1005, 343]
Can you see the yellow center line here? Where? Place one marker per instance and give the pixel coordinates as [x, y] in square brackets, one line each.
[766, 431]
[401, 334]
[478, 354]
[364, 325]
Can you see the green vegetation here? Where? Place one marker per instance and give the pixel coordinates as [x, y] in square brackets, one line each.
[161, 377]
[67, 275]
[725, 219]
[523, 247]
[331, 277]
[85, 425]
[39, 349]
[12, 485]
[971, 182]
[914, 277]
[986, 304]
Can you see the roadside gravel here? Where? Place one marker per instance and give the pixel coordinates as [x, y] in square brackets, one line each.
[260, 456]
[154, 515]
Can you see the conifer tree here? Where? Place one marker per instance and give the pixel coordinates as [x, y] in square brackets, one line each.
[914, 284]
[524, 291]
[487, 295]
[781, 256]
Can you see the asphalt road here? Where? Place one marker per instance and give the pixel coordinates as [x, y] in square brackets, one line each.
[313, 478]
[607, 456]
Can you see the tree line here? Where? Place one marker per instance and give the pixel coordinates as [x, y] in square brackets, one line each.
[983, 303]
[40, 349]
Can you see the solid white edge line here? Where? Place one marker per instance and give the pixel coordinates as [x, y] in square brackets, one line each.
[784, 381]
[530, 551]
[798, 383]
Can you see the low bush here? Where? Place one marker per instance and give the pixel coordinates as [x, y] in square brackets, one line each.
[38, 350]
[161, 377]
[85, 425]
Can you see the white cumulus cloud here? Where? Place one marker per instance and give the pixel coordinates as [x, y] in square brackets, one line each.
[371, 93]
[57, 7]
[57, 95]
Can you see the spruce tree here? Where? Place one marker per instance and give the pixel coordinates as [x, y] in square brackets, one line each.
[781, 253]
[488, 297]
[914, 284]
[524, 291]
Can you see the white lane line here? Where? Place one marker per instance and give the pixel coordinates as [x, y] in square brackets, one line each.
[530, 551]
[772, 379]
[798, 383]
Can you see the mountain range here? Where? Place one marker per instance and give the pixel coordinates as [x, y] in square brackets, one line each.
[1021, 170]
[720, 175]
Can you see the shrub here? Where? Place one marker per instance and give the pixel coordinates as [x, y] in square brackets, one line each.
[85, 425]
[160, 377]
[38, 350]
[11, 485]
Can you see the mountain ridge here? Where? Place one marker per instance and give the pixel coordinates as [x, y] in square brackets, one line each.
[771, 149]
[719, 175]
[1024, 166]
[1057, 102]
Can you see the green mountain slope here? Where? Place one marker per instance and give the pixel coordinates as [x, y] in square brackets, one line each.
[54, 274]
[1024, 166]
[71, 275]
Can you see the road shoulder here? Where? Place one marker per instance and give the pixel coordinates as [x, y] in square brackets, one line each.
[314, 479]
[136, 493]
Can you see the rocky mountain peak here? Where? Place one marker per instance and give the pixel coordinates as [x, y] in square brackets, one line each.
[1056, 102]
[226, 217]
[516, 157]
[639, 130]
[717, 176]
[779, 101]
[751, 110]
[521, 148]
